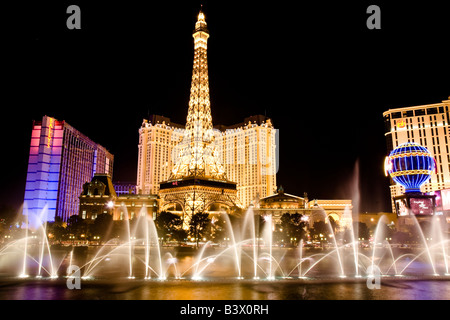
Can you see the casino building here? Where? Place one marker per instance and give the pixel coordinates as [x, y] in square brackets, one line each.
[197, 167]
[99, 196]
[428, 125]
[247, 151]
[315, 210]
[61, 160]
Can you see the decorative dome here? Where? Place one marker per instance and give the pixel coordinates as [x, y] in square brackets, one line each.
[410, 165]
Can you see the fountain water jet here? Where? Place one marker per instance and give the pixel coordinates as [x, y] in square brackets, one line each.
[130, 247]
[237, 253]
[142, 231]
[425, 243]
[249, 219]
[348, 219]
[330, 228]
[24, 265]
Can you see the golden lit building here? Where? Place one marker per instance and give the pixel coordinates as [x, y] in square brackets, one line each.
[158, 138]
[132, 204]
[315, 210]
[333, 208]
[99, 197]
[248, 151]
[280, 203]
[245, 153]
[427, 125]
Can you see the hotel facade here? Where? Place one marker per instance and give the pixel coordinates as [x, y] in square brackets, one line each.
[99, 196]
[427, 125]
[247, 151]
[61, 160]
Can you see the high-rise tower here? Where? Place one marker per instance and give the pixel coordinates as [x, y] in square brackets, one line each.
[197, 155]
[198, 180]
[61, 160]
[429, 126]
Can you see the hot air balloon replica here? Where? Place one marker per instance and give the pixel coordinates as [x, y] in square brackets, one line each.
[411, 165]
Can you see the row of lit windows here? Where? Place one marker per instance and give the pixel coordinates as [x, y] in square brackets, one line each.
[418, 112]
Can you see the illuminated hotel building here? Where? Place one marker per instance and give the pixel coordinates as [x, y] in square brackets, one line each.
[61, 160]
[157, 140]
[100, 196]
[247, 151]
[245, 154]
[427, 125]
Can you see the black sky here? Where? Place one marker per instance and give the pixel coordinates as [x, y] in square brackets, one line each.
[314, 68]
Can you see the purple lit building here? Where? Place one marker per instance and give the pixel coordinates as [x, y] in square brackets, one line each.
[61, 160]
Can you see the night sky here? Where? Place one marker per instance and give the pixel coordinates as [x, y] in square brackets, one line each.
[314, 68]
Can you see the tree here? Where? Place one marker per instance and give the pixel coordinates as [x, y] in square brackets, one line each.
[198, 226]
[76, 225]
[383, 232]
[169, 225]
[119, 229]
[333, 224]
[102, 227]
[319, 228]
[57, 229]
[360, 232]
[221, 228]
[363, 230]
[293, 227]
[9, 218]
[401, 237]
[179, 234]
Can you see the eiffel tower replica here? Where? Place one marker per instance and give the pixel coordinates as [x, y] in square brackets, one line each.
[198, 179]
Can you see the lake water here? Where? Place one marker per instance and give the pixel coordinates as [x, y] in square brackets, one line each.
[125, 289]
[111, 281]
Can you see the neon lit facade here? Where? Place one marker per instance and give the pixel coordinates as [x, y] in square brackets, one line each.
[198, 181]
[429, 126]
[410, 165]
[61, 160]
[246, 153]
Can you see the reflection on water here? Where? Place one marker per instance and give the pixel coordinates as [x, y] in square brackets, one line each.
[224, 290]
[111, 268]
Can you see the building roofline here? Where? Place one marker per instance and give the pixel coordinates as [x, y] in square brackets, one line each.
[417, 107]
[287, 194]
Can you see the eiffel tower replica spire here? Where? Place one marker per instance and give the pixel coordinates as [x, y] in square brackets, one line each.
[197, 157]
[198, 179]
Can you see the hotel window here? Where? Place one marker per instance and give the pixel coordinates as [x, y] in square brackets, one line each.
[420, 112]
[432, 111]
[409, 113]
[396, 115]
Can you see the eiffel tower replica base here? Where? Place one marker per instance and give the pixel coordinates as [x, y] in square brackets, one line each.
[198, 195]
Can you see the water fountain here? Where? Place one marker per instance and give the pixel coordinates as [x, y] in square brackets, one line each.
[251, 255]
